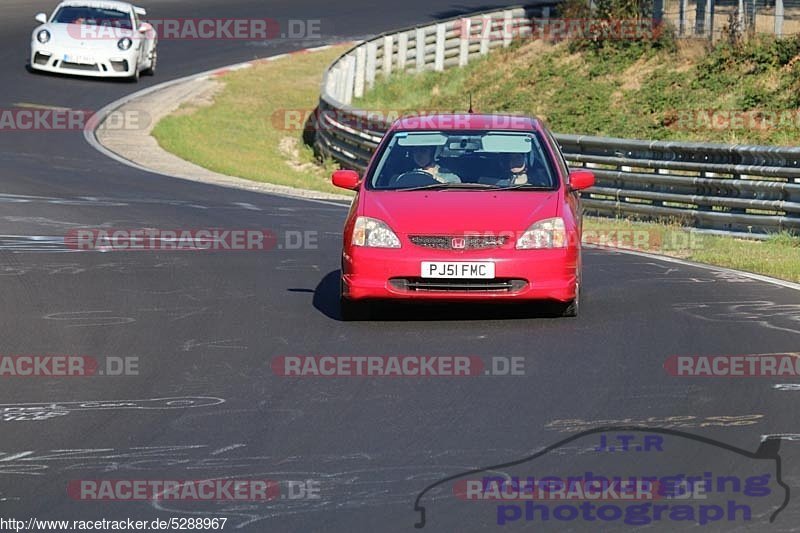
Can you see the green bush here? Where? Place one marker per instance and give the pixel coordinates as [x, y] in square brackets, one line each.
[608, 16]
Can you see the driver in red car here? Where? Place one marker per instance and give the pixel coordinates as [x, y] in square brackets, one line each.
[425, 162]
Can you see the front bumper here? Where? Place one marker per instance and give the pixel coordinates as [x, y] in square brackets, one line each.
[103, 64]
[373, 273]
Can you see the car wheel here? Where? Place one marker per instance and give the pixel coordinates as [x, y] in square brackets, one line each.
[134, 78]
[352, 310]
[570, 309]
[151, 70]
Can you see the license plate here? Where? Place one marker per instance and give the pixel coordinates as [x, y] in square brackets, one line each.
[466, 270]
[81, 60]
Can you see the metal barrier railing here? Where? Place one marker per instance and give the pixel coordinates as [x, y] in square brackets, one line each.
[738, 188]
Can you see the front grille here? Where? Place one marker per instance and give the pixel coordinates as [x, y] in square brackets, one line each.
[471, 242]
[457, 285]
[78, 66]
[40, 58]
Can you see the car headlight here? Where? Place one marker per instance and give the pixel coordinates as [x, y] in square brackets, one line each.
[548, 233]
[125, 43]
[43, 36]
[374, 233]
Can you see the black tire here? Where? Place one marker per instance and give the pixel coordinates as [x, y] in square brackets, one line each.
[570, 309]
[151, 70]
[354, 310]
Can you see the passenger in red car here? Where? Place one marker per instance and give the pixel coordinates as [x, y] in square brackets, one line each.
[518, 167]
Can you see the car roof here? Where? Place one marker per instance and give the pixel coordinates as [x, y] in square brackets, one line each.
[467, 121]
[103, 4]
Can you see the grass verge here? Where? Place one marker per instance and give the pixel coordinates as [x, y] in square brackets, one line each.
[778, 256]
[253, 128]
[743, 93]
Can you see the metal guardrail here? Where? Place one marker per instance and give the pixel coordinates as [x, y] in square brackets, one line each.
[737, 188]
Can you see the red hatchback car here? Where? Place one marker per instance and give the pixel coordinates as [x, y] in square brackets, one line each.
[463, 208]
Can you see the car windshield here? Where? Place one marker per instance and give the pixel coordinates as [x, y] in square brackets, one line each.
[463, 160]
[93, 16]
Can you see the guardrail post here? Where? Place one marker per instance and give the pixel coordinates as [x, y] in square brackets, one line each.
[778, 18]
[438, 62]
[350, 79]
[335, 83]
[465, 31]
[710, 20]
[420, 43]
[682, 18]
[700, 21]
[361, 65]
[740, 16]
[388, 48]
[658, 11]
[508, 20]
[402, 51]
[341, 83]
[372, 52]
[486, 31]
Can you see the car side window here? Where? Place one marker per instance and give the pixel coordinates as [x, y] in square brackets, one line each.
[561, 162]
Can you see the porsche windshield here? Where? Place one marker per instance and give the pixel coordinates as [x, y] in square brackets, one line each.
[463, 160]
[93, 16]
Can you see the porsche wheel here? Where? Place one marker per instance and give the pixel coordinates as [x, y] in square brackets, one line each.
[151, 70]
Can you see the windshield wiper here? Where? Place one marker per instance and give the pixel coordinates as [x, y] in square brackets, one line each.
[529, 186]
[451, 186]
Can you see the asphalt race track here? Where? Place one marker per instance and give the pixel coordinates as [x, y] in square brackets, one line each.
[205, 328]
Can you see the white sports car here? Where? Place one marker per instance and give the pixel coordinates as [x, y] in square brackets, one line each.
[95, 38]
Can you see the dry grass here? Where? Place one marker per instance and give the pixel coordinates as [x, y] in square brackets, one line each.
[250, 130]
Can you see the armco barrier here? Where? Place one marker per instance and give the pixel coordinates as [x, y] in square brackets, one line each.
[738, 188]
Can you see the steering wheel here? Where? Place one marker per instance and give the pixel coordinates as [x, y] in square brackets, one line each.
[415, 178]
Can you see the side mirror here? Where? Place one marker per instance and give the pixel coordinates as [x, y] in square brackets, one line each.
[42, 18]
[346, 179]
[145, 27]
[581, 179]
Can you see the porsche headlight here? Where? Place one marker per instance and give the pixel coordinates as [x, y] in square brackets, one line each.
[125, 43]
[43, 36]
[374, 233]
[548, 233]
